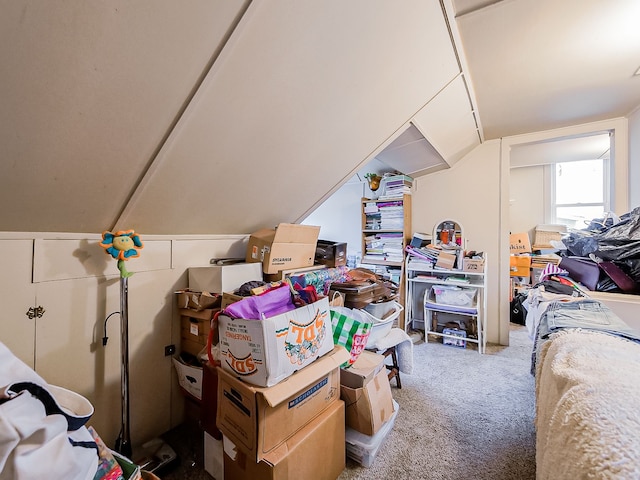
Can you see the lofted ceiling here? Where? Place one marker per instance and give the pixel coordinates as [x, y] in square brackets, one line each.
[225, 116]
[536, 65]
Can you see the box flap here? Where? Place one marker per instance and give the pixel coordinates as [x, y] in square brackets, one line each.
[302, 378]
[294, 233]
[265, 234]
[363, 370]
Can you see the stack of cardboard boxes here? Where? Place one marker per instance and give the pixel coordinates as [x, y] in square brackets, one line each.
[284, 404]
[370, 409]
[278, 404]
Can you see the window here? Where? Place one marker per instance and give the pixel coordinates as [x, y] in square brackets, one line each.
[579, 192]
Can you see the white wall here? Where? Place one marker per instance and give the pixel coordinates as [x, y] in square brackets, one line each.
[634, 159]
[77, 284]
[526, 199]
[340, 218]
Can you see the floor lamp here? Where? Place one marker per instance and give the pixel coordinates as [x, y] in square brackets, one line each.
[122, 246]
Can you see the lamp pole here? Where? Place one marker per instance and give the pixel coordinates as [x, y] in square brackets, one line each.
[123, 443]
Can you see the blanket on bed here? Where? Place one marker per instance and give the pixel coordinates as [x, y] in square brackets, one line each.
[587, 414]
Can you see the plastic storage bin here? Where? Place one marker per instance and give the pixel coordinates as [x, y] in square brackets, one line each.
[364, 448]
[455, 296]
[381, 327]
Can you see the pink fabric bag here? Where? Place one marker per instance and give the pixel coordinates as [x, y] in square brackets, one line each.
[269, 304]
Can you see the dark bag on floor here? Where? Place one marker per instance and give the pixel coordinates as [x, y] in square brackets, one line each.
[518, 314]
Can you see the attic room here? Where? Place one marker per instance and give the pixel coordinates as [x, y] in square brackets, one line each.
[197, 125]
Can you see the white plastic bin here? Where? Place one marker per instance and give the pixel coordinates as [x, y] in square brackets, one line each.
[381, 327]
[454, 295]
[364, 448]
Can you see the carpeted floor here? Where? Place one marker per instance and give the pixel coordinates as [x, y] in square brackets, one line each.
[461, 415]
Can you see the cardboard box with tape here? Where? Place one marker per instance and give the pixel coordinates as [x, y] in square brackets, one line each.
[258, 420]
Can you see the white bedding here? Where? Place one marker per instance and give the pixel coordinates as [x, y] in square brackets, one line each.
[588, 407]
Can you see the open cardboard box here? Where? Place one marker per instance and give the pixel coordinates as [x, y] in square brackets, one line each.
[287, 246]
[362, 370]
[369, 407]
[266, 351]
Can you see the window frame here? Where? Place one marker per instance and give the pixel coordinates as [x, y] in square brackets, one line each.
[551, 206]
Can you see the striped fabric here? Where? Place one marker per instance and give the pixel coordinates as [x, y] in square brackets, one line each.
[550, 270]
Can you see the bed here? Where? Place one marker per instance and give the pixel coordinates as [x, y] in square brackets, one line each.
[586, 363]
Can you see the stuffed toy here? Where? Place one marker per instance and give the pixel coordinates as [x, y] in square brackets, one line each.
[122, 245]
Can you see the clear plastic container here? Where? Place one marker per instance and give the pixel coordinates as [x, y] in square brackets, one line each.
[453, 295]
[364, 448]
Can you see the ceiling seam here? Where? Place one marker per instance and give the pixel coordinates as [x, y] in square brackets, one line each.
[181, 112]
[449, 17]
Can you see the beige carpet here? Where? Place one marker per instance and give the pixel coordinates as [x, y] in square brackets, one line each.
[461, 416]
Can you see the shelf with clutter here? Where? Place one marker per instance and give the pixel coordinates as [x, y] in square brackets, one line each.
[445, 287]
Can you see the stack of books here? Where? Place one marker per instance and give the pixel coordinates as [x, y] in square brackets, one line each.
[391, 215]
[396, 185]
[384, 247]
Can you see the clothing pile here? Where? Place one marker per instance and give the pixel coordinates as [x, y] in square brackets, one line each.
[605, 256]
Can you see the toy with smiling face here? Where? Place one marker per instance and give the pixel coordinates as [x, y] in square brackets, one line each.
[122, 245]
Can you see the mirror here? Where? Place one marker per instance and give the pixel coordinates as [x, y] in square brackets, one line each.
[449, 237]
[448, 233]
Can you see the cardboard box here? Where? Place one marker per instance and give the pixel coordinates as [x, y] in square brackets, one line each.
[265, 352]
[473, 265]
[520, 265]
[446, 260]
[287, 246]
[258, 420]
[364, 448]
[197, 301]
[316, 452]
[213, 457]
[194, 329]
[189, 377]
[229, 298]
[331, 254]
[362, 371]
[519, 243]
[223, 278]
[369, 407]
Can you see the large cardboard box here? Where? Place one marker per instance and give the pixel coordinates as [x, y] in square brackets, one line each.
[369, 407]
[265, 352]
[287, 246]
[316, 452]
[223, 278]
[258, 420]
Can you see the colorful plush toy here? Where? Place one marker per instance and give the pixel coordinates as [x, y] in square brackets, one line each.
[122, 245]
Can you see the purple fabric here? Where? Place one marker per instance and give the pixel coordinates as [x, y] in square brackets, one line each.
[269, 304]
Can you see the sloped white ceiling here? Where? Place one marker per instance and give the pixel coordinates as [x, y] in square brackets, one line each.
[302, 95]
[89, 89]
[210, 116]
